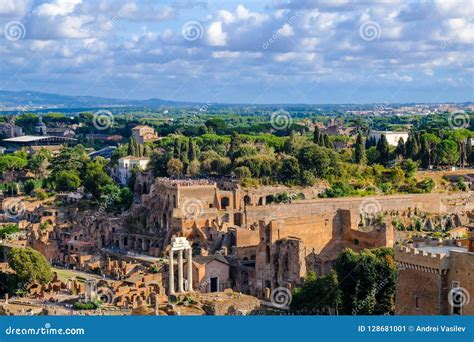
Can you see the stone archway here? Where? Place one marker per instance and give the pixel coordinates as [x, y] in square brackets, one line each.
[225, 202]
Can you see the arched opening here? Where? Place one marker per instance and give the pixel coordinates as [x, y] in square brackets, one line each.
[125, 241]
[260, 201]
[225, 202]
[247, 200]
[165, 221]
[269, 199]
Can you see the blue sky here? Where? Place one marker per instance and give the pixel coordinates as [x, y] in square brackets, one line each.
[260, 51]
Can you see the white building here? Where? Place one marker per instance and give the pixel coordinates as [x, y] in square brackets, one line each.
[392, 137]
[127, 164]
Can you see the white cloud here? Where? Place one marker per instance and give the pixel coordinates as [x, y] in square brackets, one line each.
[286, 31]
[301, 38]
[57, 7]
[215, 35]
[14, 8]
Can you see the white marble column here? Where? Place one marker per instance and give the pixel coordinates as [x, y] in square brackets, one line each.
[180, 271]
[190, 269]
[171, 272]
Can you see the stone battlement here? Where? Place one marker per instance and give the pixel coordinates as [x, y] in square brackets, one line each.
[183, 182]
[410, 257]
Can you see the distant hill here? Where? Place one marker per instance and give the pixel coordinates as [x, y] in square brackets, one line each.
[32, 100]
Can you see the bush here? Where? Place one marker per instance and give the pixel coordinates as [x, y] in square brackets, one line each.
[92, 305]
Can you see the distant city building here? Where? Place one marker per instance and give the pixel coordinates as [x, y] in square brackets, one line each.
[392, 137]
[61, 132]
[37, 140]
[127, 164]
[143, 134]
[435, 279]
[105, 152]
[40, 127]
[10, 130]
[54, 149]
[115, 138]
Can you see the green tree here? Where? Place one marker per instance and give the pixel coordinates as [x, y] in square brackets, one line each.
[95, 178]
[29, 265]
[317, 135]
[316, 159]
[69, 159]
[175, 167]
[67, 181]
[383, 149]
[291, 143]
[242, 172]
[317, 295]
[192, 155]
[290, 169]
[30, 185]
[411, 148]
[134, 148]
[359, 150]
[409, 167]
[400, 149]
[12, 162]
[367, 281]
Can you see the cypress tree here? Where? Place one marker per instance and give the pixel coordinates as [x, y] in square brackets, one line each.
[359, 150]
[384, 150]
[400, 150]
[327, 141]
[411, 148]
[192, 150]
[425, 153]
[177, 149]
[317, 135]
